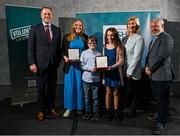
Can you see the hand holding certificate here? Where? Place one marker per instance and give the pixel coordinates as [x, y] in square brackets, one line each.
[73, 55]
[102, 62]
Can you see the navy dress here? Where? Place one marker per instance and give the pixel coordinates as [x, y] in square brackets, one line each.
[73, 93]
[112, 78]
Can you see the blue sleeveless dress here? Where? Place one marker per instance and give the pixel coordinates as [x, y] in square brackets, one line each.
[112, 78]
[73, 93]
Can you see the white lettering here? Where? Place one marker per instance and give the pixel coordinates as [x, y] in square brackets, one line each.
[20, 32]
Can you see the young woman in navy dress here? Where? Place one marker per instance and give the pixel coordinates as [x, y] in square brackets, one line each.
[114, 51]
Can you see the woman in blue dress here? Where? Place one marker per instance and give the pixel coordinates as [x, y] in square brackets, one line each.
[73, 94]
[113, 77]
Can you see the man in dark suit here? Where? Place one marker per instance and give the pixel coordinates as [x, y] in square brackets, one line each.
[159, 69]
[44, 58]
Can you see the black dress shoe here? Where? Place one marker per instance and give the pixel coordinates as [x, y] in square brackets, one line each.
[54, 113]
[160, 129]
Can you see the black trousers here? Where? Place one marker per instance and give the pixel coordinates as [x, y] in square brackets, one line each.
[160, 90]
[132, 93]
[46, 84]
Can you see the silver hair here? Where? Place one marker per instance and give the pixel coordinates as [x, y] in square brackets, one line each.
[160, 20]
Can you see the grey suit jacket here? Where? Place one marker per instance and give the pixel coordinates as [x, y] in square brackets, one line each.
[159, 58]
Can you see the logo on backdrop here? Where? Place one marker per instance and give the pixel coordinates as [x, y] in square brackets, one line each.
[20, 33]
[122, 30]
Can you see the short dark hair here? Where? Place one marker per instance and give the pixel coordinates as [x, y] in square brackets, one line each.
[92, 38]
[46, 7]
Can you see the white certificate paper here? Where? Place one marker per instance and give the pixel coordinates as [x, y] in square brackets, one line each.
[101, 62]
[73, 54]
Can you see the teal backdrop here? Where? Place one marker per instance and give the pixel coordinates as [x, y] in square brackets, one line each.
[94, 23]
[19, 20]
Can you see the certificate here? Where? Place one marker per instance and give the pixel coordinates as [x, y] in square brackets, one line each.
[73, 54]
[101, 62]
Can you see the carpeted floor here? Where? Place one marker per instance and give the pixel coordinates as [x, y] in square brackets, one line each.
[16, 120]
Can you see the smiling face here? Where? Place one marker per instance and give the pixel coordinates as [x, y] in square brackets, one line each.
[132, 26]
[110, 36]
[156, 27]
[78, 27]
[92, 44]
[159, 26]
[153, 28]
[46, 15]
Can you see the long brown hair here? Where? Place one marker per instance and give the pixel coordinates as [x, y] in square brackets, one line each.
[116, 39]
[72, 34]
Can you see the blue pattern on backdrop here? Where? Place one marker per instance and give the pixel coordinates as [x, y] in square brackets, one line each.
[94, 24]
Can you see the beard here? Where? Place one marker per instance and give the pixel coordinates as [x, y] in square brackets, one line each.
[155, 33]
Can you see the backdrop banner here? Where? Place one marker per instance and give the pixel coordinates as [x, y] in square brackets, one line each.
[23, 83]
[97, 23]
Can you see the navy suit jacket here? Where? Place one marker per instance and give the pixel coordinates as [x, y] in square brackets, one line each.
[159, 58]
[40, 51]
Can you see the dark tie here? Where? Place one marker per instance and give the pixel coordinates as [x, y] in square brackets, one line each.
[48, 33]
[151, 45]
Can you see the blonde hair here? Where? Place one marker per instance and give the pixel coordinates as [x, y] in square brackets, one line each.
[136, 19]
[72, 34]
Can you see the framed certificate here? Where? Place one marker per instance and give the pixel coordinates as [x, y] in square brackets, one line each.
[73, 54]
[101, 62]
